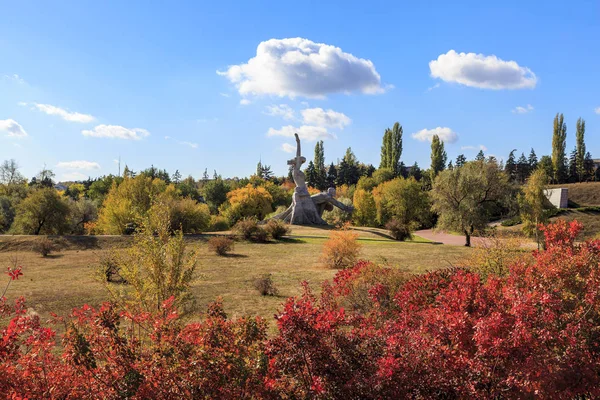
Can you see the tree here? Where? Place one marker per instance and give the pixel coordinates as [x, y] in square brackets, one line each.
[533, 202]
[546, 165]
[311, 175]
[589, 167]
[176, 178]
[415, 171]
[391, 149]
[511, 166]
[461, 197]
[522, 168]
[580, 158]
[572, 168]
[403, 200]
[82, 211]
[365, 211]
[480, 156]
[43, 211]
[331, 175]
[205, 176]
[559, 142]
[247, 201]
[44, 178]
[320, 170]
[450, 166]
[215, 193]
[383, 175]
[9, 173]
[460, 160]
[259, 169]
[348, 170]
[438, 156]
[532, 160]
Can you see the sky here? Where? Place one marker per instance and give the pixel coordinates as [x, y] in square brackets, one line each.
[197, 85]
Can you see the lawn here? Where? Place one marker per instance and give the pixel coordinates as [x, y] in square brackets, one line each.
[67, 279]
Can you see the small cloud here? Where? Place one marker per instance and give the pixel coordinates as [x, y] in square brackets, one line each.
[244, 102]
[22, 104]
[288, 148]
[167, 137]
[437, 85]
[480, 147]
[64, 114]
[304, 103]
[189, 144]
[116, 132]
[12, 128]
[86, 165]
[481, 71]
[14, 78]
[225, 94]
[523, 110]
[116, 161]
[445, 134]
[326, 118]
[597, 110]
[281, 110]
[17, 145]
[307, 132]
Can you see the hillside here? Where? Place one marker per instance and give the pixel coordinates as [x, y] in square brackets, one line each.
[582, 194]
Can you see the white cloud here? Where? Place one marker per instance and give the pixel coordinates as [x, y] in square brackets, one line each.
[64, 114]
[445, 134]
[478, 70]
[244, 102]
[480, 147]
[116, 161]
[306, 132]
[299, 67]
[523, 110]
[325, 118]
[73, 176]
[597, 110]
[12, 128]
[281, 110]
[116, 132]
[224, 94]
[437, 85]
[15, 78]
[288, 148]
[189, 144]
[87, 165]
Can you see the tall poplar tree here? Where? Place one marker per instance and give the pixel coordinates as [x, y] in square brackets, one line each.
[320, 171]
[580, 157]
[438, 156]
[391, 149]
[559, 143]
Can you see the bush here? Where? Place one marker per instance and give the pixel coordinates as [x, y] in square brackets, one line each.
[516, 220]
[399, 230]
[260, 235]
[337, 217]
[277, 228]
[246, 227]
[341, 250]
[109, 269]
[247, 201]
[218, 224]
[221, 245]
[44, 247]
[495, 255]
[265, 286]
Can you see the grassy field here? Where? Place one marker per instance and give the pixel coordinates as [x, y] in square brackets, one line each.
[67, 279]
[582, 194]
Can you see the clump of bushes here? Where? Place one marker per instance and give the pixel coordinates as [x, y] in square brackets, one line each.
[341, 250]
[109, 269]
[218, 224]
[400, 231]
[249, 229]
[44, 247]
[516, 220]
[265, 286]
[277, 228]
[220, 245]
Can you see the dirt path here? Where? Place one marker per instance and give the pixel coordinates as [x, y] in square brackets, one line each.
[446, 238]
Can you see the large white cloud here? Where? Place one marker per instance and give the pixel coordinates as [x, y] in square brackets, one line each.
[478, 70]
[12, 128]
[306, 132]
[444, 133]
[325, 118]
[299, 67]
[116, 131]
[64, 114]
[79, 164]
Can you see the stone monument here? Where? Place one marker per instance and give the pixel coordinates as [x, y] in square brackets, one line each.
[307, 209]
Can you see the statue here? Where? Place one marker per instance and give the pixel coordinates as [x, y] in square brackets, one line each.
[307, 209]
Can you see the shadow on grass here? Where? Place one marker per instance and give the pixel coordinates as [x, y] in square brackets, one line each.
[291, 240]
[54, 256]
[234, 255]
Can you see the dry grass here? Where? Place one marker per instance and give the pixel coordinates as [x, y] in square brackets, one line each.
[583, 194]
[59, 283]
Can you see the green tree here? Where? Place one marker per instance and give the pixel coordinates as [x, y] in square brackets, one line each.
[532, 160]
[438, 156]
[546, 165]
[511, 166]
[403, 200]
[559, 143]
[320, 170]
[572, 168]
[460, 160]
[480, 156]
[215, 193]
[580, 136]
[331, 175]
[383, 175]
[82, 212]
[522, 168]
[176, 178]
[348, 170]
[415, 172]
[391, 149]
[365, 211]
[533, 202]
[311, 175]
[462, 197]
[43, 211]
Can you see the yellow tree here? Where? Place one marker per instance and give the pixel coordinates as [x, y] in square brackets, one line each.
[248, 201]
[365, 211]
[533, 203]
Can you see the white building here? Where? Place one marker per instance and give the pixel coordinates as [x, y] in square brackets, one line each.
[559, 197]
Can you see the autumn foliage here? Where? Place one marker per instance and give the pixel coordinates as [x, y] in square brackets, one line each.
[371, 333]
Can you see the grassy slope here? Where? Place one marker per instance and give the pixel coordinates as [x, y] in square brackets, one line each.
[66, 280]
[583, 194]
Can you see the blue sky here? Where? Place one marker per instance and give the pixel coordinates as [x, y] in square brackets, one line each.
[82, 82]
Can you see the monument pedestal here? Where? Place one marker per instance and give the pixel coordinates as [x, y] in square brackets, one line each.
[302, 211]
